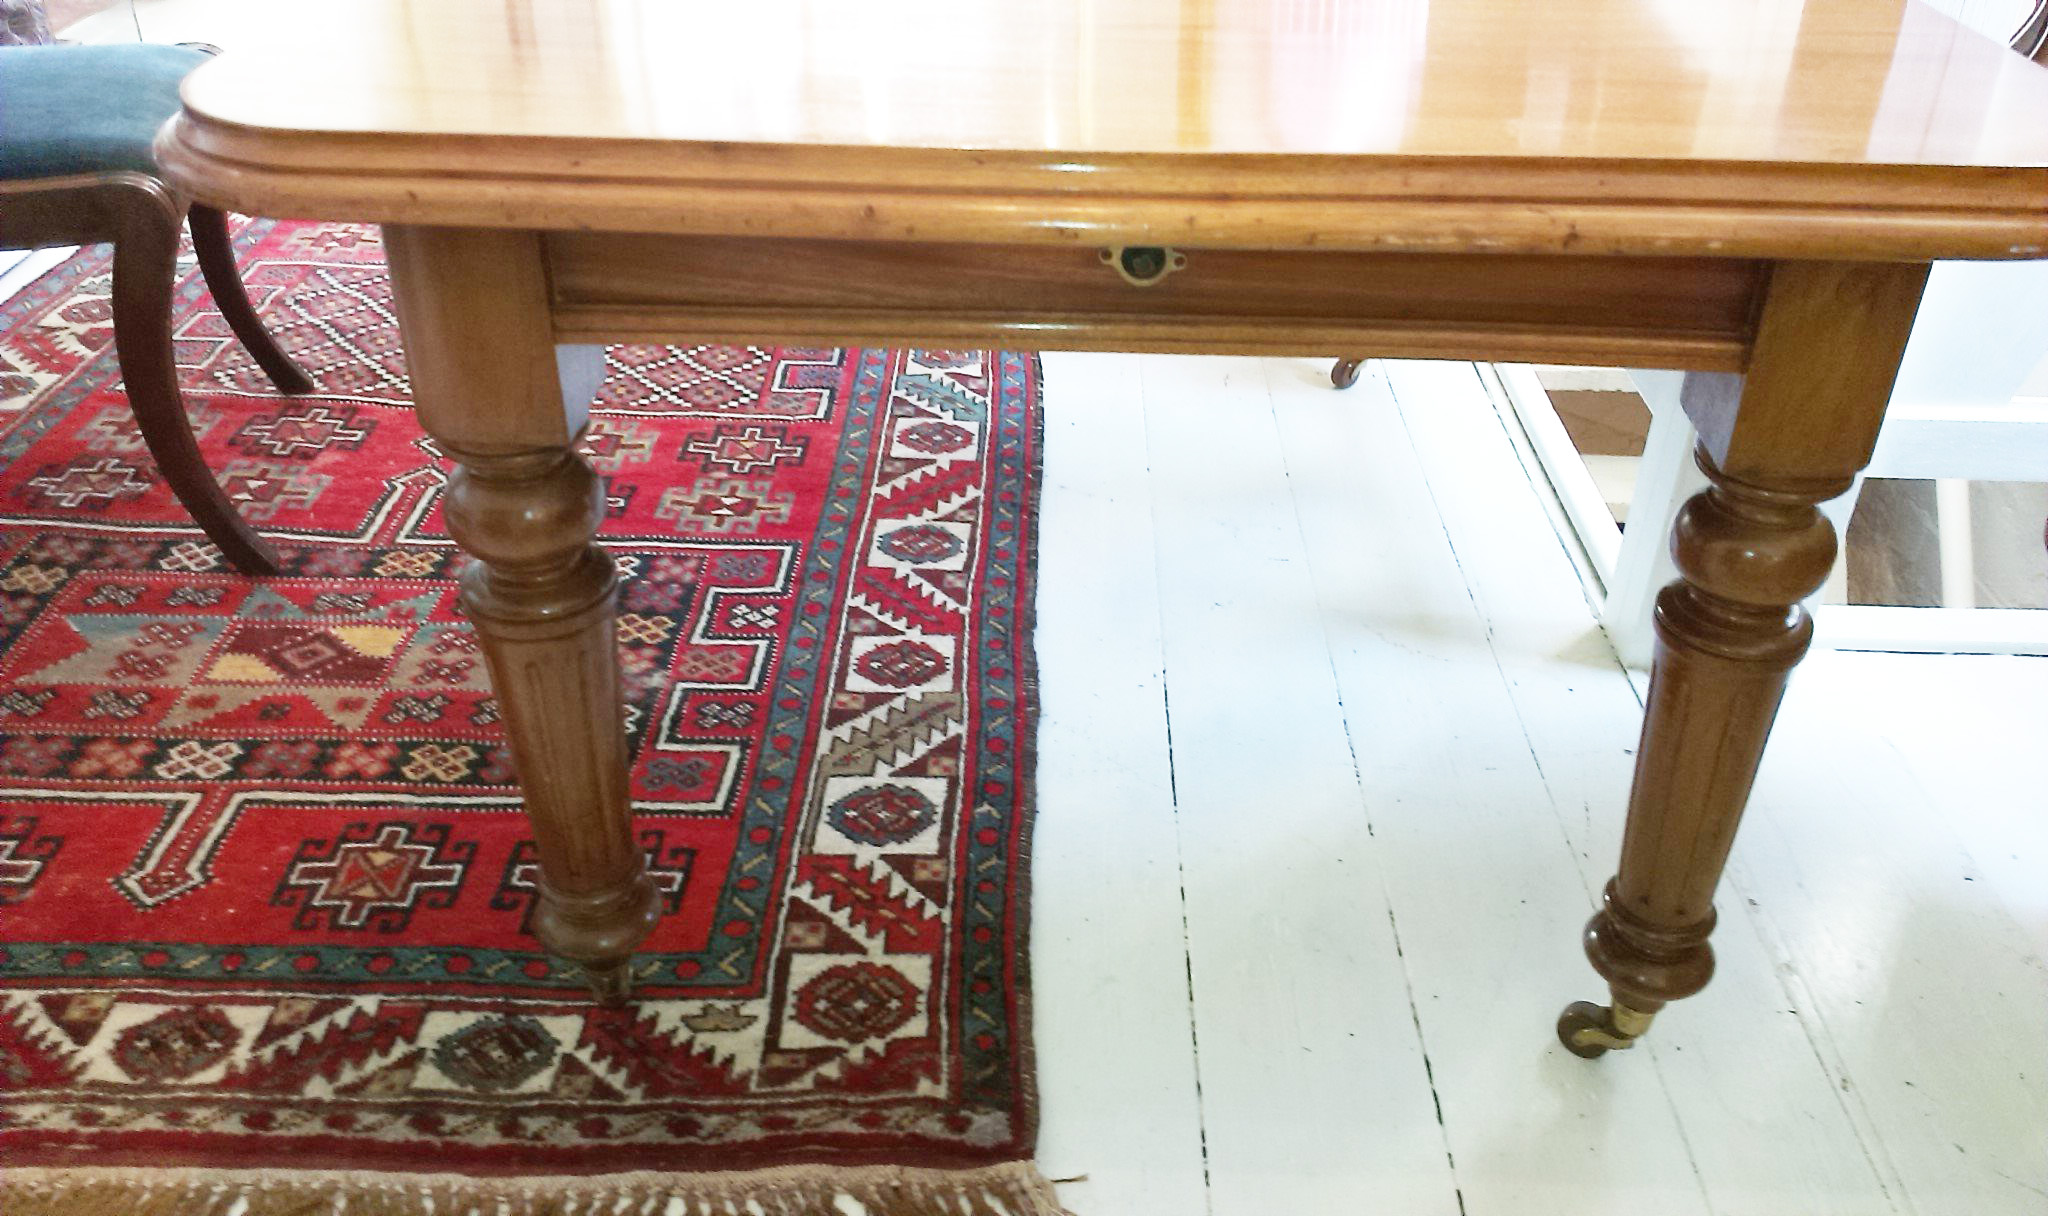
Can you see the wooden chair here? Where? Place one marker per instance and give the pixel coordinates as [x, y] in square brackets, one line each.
[2031, 39]
[76, 168]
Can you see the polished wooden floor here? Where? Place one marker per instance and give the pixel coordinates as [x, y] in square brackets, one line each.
[1333, 760]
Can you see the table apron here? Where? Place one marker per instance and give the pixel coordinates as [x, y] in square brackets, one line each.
[1692, 313]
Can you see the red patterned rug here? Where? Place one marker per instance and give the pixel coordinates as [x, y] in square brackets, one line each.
[264, 883]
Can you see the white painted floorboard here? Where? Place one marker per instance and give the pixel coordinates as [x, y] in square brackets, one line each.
[1763, 1124]
[1394, 748]
[1298, 990]
[1486, 892]
[1107, 918]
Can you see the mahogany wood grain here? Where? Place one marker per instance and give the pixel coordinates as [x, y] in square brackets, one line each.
[141, 217]
[145, 276]
[542, 593]
[1678, 312]
[1828, 343]
[1774, 444]
[2031, 39]
[215, 251]
[1593, 126]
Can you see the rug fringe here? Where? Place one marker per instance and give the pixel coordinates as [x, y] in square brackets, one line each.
[1011, 1189]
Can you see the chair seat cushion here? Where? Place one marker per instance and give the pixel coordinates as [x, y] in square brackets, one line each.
[86, 109]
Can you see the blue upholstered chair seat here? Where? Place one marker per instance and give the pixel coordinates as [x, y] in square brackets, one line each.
[86, 109]
[76, 165]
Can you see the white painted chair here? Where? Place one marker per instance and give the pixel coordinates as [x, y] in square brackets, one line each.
[1982, 329]
[1966, 428]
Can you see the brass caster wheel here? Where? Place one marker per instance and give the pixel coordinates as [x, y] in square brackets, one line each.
[1345, 374]
[1582, 1027]
[611, 985]
[1590, 1031]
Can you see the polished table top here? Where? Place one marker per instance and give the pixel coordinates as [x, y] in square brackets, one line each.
[1610, 124]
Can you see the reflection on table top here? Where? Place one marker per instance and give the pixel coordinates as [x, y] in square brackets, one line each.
[1830, 80]
[1829, 104]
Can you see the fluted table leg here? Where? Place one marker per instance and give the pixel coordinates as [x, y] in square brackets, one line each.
[473, 307]
[1789, 434]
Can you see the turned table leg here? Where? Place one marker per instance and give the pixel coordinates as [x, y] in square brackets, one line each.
[1775, 442]
[473, 308]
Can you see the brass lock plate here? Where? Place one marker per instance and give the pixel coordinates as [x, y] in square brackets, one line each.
[1144, 265]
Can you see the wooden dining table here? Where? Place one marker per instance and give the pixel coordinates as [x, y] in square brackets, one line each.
[1749, 192]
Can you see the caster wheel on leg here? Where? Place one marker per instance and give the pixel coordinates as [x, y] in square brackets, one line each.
[611, 985]
[1581, 1027]
[1345, 374]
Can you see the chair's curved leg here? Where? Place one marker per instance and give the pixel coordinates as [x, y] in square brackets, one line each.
[224, 279]
[145, 264]
[1345, 374]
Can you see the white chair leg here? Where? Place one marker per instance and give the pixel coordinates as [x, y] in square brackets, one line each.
[1838, 511]
[1954, 543]
[1664, 480]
